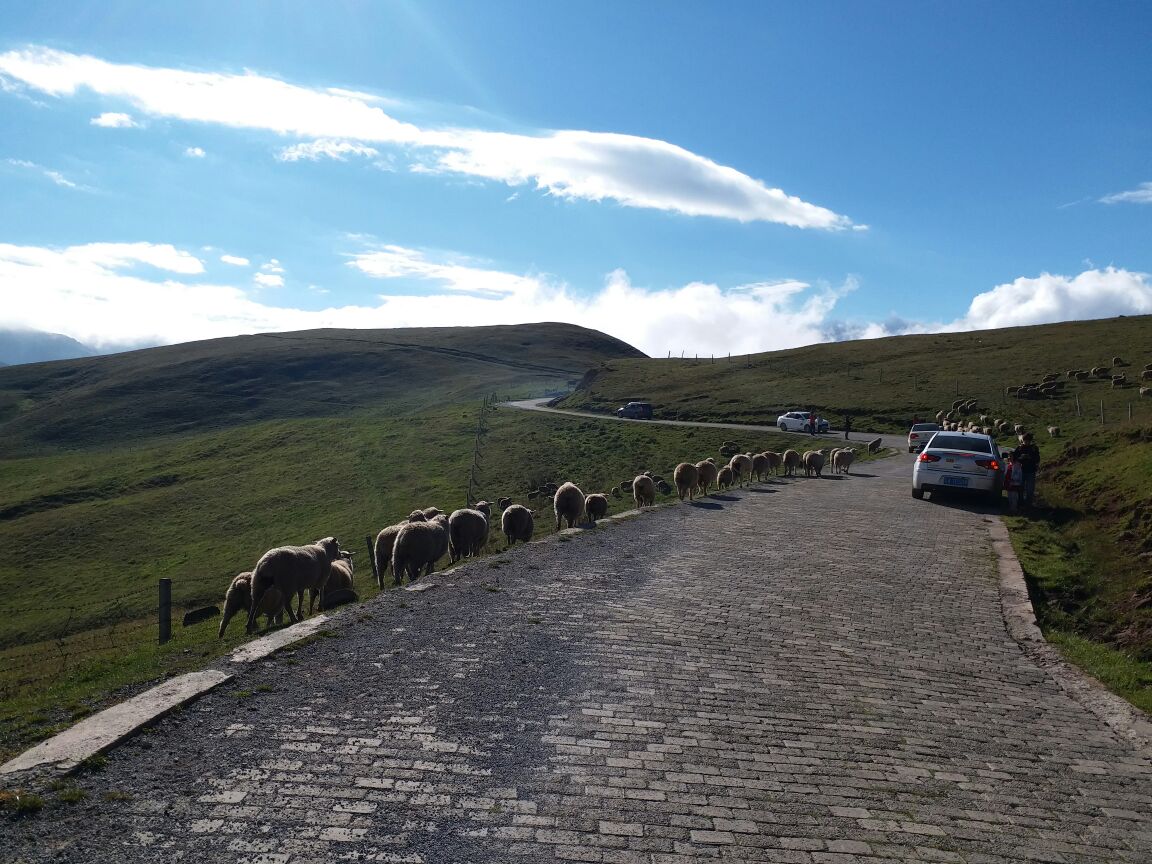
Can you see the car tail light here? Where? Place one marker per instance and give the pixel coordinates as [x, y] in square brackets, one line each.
[990, 464]
[914, 435]
[929, 457]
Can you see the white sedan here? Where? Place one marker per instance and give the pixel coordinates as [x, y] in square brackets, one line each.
[959, 460]
[797, 421]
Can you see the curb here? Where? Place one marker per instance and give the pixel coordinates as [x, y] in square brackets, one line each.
[93, 735]
[1125, 719]
[102, 731]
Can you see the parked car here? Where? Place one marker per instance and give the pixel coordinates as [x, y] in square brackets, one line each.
[797, 421]
[919, 434]
[959, 460]
[636, 411]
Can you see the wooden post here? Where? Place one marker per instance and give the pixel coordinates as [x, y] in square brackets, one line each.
[1101, 412]
[1078, 405]
[165, 610]
[1129, 411]
[372, 558]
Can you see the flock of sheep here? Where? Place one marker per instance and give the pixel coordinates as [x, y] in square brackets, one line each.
[412, 547]
[1051, 387]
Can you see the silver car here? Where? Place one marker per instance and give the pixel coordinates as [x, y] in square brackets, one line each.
[966, 461]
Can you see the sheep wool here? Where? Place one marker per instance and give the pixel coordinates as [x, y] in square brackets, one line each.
[686, 476]
[517, 523]
[239, 596]
[644, 491]
[568, 504]
[292, 570]
[418, 547]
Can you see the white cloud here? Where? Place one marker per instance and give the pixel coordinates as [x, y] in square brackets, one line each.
[1049, 298]
[55, 176]
[268, 280]
[594, 166]
[194, 152]
[1142, 194]
[235, 260]
[325, 148]
[396, 262]
[272, 266]
[112, 120]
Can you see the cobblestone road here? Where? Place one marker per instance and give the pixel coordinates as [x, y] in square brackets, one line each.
[807, 671]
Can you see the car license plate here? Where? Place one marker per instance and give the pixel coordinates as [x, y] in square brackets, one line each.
[955, 481]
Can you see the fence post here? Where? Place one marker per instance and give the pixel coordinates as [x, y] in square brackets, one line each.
[1129, 411]
[1101, 412]
[372, 558]
[165, 610]
[1078, 405]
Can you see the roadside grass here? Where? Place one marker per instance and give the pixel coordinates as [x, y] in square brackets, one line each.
[79, 628]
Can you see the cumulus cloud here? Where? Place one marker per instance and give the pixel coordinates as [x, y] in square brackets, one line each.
[1142, 194]
[235, 260]
[1048, 298]
[112, 120]
[268, 280]
[595, 166]
[325, 148]
[194, 152]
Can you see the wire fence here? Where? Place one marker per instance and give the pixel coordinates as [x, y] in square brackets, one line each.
[79, 632]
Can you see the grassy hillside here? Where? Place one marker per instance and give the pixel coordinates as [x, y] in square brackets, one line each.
[882, 383]
[222, 383]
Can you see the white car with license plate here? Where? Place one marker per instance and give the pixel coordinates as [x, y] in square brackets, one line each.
[964, 461]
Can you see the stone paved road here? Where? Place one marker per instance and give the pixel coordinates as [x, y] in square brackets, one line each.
[807, 671]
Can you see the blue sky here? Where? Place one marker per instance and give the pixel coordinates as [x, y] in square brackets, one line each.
[691, 177]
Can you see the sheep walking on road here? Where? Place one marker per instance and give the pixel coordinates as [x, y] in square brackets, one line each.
[686, 476]
[707, 472]
[568, 504]
[724, 478]
[644, 491]
[596, 506]
[418, 547]
[467, 532]
[791, 460]
[517, 523]
[292, 570]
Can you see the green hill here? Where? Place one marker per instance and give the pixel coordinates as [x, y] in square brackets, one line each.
[221, 383]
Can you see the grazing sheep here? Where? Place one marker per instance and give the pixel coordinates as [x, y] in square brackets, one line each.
[1011, 391]
[791, 460]
[724, 478]
[707, 475]
[1101, 371]
[1146, 375]
[417, 516]
[1054, 431]
[239, 597]
[467, 533]
[1116, 361]
[741, 466]
[292, 570]
[1083, 375]
[341, 578]
[875, 444]
[569, 504]
[939, 416]
[686, 476]
[596, 506]
[1118, 383]
[643, 492]
[1018, 429]
[418, 547]
[517, 523]
[843, 459]
[1146, 391]
[775, 460]
[503, 504]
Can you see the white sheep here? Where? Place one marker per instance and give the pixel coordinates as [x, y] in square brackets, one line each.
[686, 476]
[707, 472]
[643, 491]
[791, 461]
[741, 465]
[293, 570]
[568, 504]
[1054, 431]
[418, 547]
[341, 583]
[517, 523]
[239, 596]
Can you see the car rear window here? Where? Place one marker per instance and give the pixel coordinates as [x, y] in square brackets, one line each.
[942, 441]
[926, 427]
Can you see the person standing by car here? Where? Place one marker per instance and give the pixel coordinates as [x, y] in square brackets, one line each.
[1013, 479]
[1027, 455]
[847, 425]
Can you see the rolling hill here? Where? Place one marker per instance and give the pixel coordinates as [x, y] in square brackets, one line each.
[223, 383]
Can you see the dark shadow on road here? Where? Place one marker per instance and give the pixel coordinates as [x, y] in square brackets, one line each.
[705, 505]
[762, 491]
[969, 503]
[857, 474]
[720, 497]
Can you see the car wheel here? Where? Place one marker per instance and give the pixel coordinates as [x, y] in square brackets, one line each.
[917, 493]
[783, 427]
